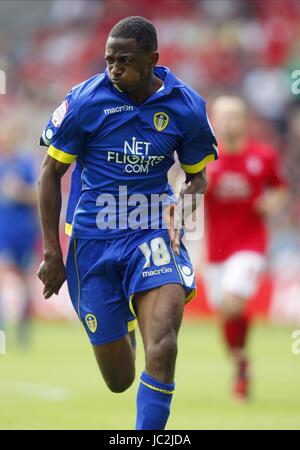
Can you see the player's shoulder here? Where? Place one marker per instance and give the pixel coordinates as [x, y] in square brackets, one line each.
[88, 88]
[262, 150]
[194, 103]
[191, 97]
[188, 101]
[88, 97]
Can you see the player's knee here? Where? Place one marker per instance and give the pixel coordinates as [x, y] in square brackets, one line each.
[162, 352]
[120, 385]
[232, 306]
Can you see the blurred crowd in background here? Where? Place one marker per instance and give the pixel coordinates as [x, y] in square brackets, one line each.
[245, 47]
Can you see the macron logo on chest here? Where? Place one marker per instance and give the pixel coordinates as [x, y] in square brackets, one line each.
[118, 109]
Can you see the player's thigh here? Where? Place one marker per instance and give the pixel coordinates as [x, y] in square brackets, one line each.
[159, 313]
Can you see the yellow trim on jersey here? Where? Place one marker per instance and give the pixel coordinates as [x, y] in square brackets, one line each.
[195, 168]
[157, 389]
[131, 325]
[118, 88]
[68, 229]
[61, 156]
[78, 279]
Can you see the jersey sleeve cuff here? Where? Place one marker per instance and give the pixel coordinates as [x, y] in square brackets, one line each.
[68, 229]
[61, 156]
[195, 168]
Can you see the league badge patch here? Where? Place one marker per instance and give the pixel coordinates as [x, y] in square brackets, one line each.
[59, 114]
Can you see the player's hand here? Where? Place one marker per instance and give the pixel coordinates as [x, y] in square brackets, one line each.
[271, 202]
[174, 223]
[265, 206]
[261, 206]
[52, 273]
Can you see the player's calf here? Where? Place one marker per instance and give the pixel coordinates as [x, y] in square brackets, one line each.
[161, 355]
[159, 313]
[116, 361]
[234, 322]
[235, 325]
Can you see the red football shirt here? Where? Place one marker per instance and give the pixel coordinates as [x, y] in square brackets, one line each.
[235, 182]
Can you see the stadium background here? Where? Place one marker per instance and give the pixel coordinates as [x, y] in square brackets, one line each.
[247, 47]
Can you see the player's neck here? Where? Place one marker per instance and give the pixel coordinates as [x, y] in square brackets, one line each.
[233, 146]
[147, 88]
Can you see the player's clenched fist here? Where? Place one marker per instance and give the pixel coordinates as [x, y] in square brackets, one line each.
[52, 273]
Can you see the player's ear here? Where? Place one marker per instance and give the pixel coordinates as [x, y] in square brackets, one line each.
[153, 57]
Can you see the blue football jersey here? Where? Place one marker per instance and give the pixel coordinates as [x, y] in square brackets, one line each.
[17, 220]
[124, 150]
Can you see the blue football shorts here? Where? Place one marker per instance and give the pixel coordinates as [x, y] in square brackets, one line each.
[17, 250]
[104, 275]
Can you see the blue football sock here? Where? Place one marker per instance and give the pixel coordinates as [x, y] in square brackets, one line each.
[153, 403]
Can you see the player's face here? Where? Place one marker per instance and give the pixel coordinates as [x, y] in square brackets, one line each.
[8, 137]
[229, 120]
[128, 66]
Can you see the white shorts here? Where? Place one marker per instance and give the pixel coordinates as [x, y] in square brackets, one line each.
[238, 275]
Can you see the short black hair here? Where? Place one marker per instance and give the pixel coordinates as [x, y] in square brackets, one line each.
[138, 28]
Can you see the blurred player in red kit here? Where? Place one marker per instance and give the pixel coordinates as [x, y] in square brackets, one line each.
[245, 187]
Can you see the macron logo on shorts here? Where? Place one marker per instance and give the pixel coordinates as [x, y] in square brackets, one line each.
[151, 273]
[118, 109]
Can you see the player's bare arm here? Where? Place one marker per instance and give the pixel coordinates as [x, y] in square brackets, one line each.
[17, 190]
[173, 216]
[271, 202]
[52, 269]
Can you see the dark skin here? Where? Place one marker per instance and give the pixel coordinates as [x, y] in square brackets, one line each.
[131, 69]
[159, 311]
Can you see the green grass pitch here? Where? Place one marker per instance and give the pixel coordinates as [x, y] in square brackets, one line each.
[56, 384]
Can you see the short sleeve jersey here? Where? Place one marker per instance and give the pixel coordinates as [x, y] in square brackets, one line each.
[123, 151]
[16, 217]
[236, 182]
